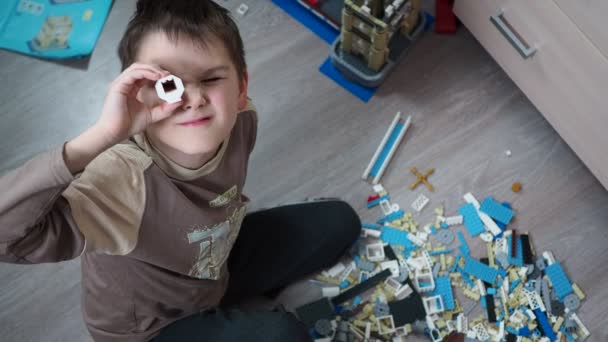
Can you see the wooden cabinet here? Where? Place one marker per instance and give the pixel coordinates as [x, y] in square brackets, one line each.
[554, 63]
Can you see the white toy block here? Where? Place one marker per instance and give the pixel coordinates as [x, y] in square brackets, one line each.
[378, 188]
[420, 203]
[413, 238]
[386, 324]
[454, 220]
[242, 10]
[404, 292]
[386, 207]
[336, 269]
[490, 225]
[392, 284]
[330, 291]
[366, 232]
[549, 258]
[433, 305]
[392, 265]
[375, 252]
[170, 88]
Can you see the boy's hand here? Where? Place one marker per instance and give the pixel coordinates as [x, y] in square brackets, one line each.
[123, 114]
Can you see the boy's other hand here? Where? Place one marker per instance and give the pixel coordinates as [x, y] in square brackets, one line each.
[123, 113]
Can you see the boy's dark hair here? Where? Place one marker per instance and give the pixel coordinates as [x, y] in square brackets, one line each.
[198, 20]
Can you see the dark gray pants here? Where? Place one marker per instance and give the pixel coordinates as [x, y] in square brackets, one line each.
[275, 248]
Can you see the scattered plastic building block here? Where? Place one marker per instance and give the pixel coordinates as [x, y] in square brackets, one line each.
[391, 217]
[443, 288]
[480, 270]
[420, 203]
[559, 280]
[496, 210]
[464, 247]
[544, 324]
[170, 88]
[375, 202]
[517, 259]
[396, 236]
[358, 289]
[371, 226]
[387, 148]
[471, 220]
[422, 179]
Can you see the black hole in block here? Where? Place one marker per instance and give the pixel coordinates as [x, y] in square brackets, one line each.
[169, 86]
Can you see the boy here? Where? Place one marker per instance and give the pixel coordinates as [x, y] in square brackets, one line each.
[155, 218]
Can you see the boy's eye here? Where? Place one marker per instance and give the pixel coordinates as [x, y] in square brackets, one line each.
[212, 79]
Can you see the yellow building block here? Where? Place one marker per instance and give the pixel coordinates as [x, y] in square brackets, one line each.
[491, 254]
[558, 324]
[579, 293]
[471, 294]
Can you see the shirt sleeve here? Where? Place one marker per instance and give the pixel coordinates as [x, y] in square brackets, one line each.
[36, 223]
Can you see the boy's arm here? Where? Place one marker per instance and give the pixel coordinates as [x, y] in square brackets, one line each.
[36, 221]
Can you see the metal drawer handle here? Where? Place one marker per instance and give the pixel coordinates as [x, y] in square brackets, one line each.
[506, 30]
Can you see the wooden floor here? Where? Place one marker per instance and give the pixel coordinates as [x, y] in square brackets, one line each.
[315, 139]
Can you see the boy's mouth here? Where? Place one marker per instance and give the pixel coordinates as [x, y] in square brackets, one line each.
[196, 122]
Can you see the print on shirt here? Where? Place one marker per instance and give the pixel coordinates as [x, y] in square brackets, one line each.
[224, 198]
[215, 243]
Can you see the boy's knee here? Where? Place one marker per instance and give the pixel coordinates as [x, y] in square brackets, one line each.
[346, 221]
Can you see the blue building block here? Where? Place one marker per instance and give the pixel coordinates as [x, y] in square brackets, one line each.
[377, 201]
[344, 284]
[466, 277]
[568, 336]
[491, 291]
[544, 324]
[483, 301]
[511, 330]
[371, 226]
[444, 225]
[391, 217]
[525, 332]
[464, 248]
[472, 222]
[357, 300]
[518, 259]
[496, 210]
[559, 280]
[433, 230]
[453, 269]
[396, 236]
[480, 270]
[443, 288]
[514, 285]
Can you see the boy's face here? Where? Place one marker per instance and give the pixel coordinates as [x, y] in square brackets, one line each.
[213, 95]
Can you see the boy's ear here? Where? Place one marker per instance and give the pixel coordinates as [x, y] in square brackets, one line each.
[243, 92]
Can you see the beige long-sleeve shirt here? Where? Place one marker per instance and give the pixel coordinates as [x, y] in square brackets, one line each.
[153, 236]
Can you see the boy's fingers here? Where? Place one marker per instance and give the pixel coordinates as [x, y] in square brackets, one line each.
[131, 78]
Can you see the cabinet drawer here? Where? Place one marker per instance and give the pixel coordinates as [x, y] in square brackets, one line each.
[566, 77]
[590, 16]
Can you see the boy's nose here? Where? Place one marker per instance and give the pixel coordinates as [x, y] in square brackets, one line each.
[194, 97]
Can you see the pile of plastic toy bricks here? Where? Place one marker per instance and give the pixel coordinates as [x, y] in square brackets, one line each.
[400, 279]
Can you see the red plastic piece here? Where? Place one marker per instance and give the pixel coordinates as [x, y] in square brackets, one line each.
[372, 198]
[445, 20]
